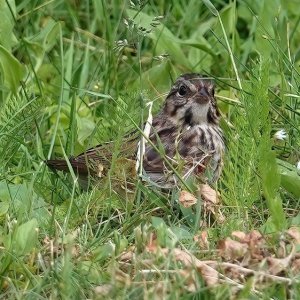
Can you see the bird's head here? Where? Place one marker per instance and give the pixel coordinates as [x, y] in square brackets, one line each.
[191, 101]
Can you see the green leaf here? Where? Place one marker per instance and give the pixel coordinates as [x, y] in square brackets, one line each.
[4, 206]
[211, 7]
[7, 37]
[267, 165]
[182, 233]
[25, 237]
[290, 180]
[43, 42]
[84, 74]
[164, 39]
[50, 34]
[23, 202]
[201, 44]
[157, 222]
[295, 220]
[268, 12]
[85, 129]
[158, 76]
[104, 251]
[12, 70]
[189, 215]
[269, 172]
[69, 59]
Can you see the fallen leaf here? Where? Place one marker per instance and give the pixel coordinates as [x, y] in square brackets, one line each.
[189, 280]
[209, 274]
[52, 247]
[230, 249]
[255, 236]
[202, 239]
[209, 195]
[187, 199]
[152, 244]
[127, 256]
[220, 217]
[256, 245]
[294, 233]
[278, 265]
[75, 250]
[254, 240]
[122, 277]
[241, 236]
[296, 266]
[211, 201]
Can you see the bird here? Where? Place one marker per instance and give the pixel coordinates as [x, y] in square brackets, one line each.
[185, 139]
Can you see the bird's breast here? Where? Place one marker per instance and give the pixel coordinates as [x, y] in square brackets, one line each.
[201, 138]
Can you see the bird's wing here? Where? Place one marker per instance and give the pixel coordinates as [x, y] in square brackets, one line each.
[96, 160]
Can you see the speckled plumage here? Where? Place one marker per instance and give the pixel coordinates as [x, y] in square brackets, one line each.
[186, 131]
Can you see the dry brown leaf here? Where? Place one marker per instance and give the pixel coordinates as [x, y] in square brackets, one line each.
[245, 258]
[248, 238]
[256, 244]
[255, 236]
[52, 246]
[122, 277]
[187, 199]
[189, 280]
[230, 249]
[75, 250]
[209, 274]
[152, 244]
[211, 201]
[202, 239]
[278, 265]
[296, 266]
[294, 233]
[254, 240]
[235, 273]
[209, 195]
[220, 217]
[241, 236]
[250, 247]
[127, 256]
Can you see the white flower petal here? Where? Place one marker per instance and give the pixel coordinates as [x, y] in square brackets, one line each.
[280, 135]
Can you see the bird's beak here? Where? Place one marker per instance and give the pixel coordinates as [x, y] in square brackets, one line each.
[203, 92]
[202, 96]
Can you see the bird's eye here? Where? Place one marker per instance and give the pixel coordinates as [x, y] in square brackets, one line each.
[182, 90]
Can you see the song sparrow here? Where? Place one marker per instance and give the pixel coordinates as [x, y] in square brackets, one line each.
[185, 138]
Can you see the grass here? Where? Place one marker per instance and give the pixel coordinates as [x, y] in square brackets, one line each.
[75, 74]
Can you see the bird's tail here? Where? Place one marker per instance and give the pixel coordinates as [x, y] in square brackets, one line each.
[79, 167]
[57, 164]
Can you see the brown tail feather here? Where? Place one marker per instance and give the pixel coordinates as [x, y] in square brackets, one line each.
[57, 164]
[79, 167]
